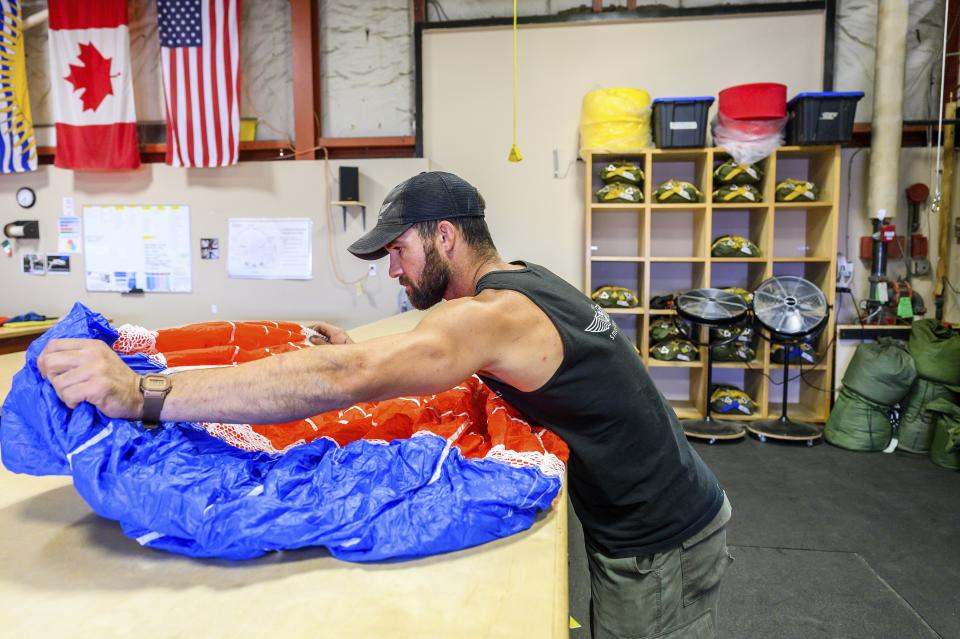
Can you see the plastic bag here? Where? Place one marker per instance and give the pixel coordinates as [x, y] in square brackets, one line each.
[748, 141]
[613, 120]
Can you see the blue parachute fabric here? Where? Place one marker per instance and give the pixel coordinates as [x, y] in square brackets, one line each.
[36, 425]
[181, 490]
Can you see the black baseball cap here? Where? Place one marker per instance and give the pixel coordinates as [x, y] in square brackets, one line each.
[432, 195]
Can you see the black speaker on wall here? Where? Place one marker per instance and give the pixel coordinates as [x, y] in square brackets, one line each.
[349, 184]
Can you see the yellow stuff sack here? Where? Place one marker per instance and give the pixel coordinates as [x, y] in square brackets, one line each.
[614, 120]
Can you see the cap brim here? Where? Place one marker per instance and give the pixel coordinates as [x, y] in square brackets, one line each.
[371, 246]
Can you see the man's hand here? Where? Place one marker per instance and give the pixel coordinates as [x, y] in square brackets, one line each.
[329, 334]
[87, 370]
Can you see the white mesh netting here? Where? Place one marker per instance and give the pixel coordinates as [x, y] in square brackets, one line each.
[242, 436]
[135, 339]
[546, 463]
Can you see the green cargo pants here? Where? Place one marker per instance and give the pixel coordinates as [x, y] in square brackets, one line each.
[670, 595]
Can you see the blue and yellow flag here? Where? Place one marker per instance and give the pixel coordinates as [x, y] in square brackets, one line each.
[18, 149]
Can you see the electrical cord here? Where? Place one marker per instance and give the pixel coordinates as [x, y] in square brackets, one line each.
[330, 246]
[950, 286]
[439, 10]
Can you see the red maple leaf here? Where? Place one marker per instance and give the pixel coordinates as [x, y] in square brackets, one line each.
[92, 77]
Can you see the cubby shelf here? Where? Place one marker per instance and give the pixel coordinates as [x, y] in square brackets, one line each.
[662, 248]
[658, 363]
[740, 205]
[752, 365]
[803, 205]
[667, 206]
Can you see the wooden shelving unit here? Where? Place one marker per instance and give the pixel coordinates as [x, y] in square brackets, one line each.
[655, 249]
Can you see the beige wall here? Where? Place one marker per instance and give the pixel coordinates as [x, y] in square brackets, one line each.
[251, 189]
[467, 105]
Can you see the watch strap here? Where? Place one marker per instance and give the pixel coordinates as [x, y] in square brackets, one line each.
[153, 398]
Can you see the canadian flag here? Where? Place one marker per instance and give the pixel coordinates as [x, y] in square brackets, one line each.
[91, 85]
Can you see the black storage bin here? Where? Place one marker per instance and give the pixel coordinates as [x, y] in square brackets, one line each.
[680, 122]
[821, 118]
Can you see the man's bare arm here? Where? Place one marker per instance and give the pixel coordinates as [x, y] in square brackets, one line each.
[451, 343]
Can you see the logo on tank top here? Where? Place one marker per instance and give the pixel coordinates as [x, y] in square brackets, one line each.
[602, 323]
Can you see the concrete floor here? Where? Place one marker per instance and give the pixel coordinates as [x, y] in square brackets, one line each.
[828, 543]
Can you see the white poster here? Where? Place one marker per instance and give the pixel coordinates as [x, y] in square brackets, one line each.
[68, 234]
[144, 248]
[270, 248]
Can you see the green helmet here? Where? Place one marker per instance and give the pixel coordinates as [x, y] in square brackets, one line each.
[744, 294]
[797, 191]
[675, 191]
[743, 334]
[732, 173]
[667, 328]
[619, 193]
[734, 352]
[734, 246]
[801, 353]
[725, 398]
[615, 297]
[675, 350]
[737, 193]
[622, 171]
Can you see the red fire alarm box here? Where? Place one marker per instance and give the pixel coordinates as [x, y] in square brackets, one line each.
[918, 245]
[894, 250]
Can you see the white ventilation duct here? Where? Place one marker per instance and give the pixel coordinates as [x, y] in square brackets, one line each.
[884, 181]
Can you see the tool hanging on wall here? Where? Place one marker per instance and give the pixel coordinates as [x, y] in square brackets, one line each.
[917, 263]
[515, 155]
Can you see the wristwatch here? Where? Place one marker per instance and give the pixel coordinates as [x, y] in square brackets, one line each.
[154, 389]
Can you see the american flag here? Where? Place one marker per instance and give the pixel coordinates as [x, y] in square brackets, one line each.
[200, 48]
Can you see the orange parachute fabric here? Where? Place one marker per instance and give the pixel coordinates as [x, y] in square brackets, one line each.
[472, 417]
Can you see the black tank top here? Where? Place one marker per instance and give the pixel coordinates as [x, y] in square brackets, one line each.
[636, 484]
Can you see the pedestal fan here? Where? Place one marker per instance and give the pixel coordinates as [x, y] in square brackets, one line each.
[711, 308]
[792, 310]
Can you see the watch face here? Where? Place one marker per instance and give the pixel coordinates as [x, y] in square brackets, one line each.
[26, 197]
[155, 382]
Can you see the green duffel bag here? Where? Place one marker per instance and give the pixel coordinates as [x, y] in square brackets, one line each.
[619, 193]
[734, 246]
[667, 328]
[732, 173]
[622, 171]
[881, 371]
[945, 447]
[917, 422]
[936, 352]
[728, 399]
[731, 193]
[734, 352]
[856, 423]
[675, 350]
[797, 191]
[678, 192]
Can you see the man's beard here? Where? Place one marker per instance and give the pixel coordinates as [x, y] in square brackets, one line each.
[434, 280]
